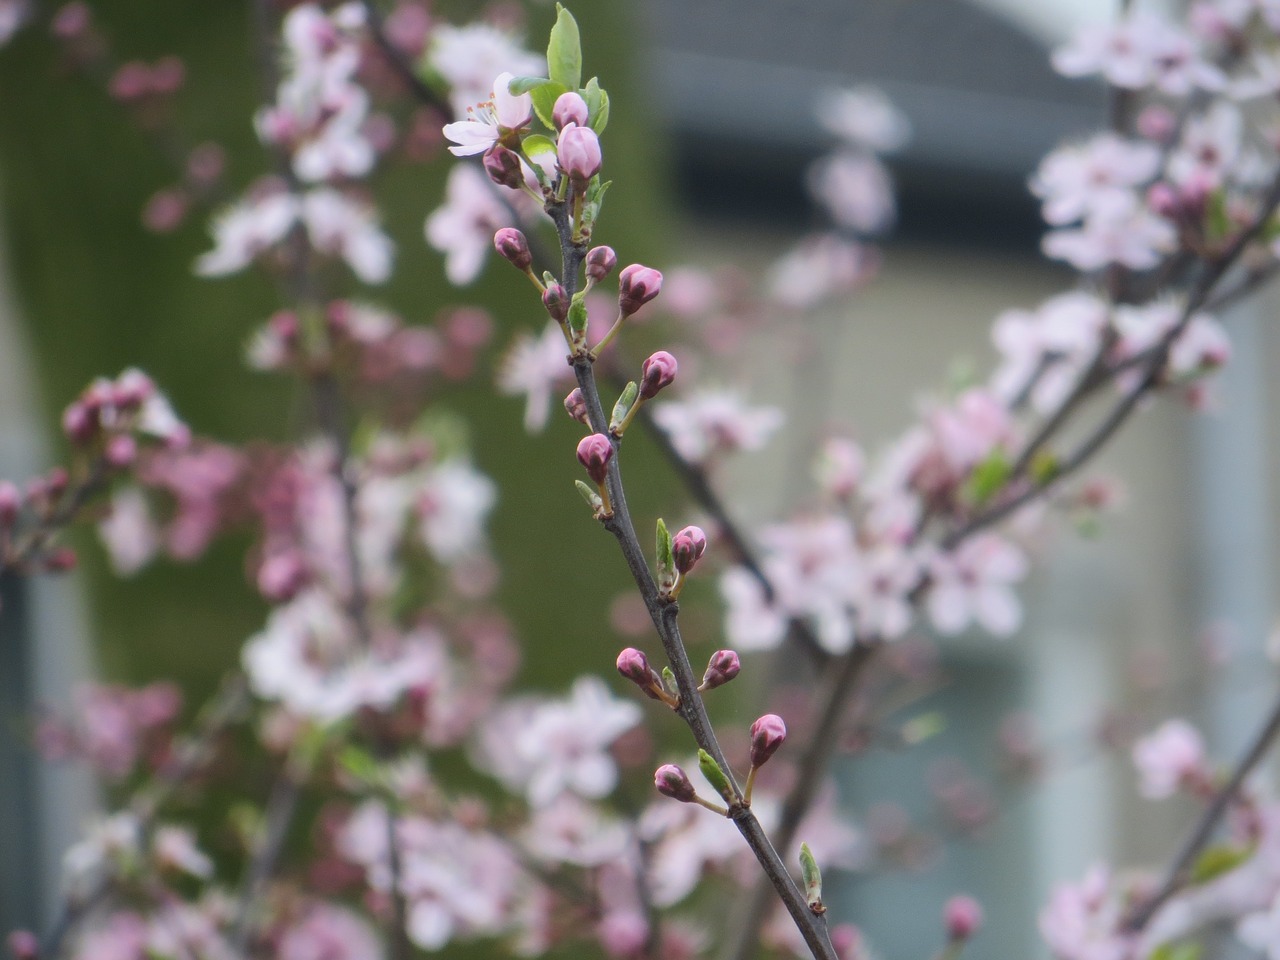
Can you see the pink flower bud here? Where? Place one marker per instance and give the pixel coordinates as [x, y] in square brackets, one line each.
[767, 735]
[637, 285]
[60, 560]
[10, 503]
[569, 108]
[687, 548]
[78, 423]
[673, 782]
[594, 453]
[503, 167]
[556, 300]
[575, 404]
[600, 262]
[72, 21]
[120, 451]
[723, 666]
[512, 246]
[168, 74]
[578, 150]
[1163, 200]
[23, 945]
[55, 483]
[1157, 123]
[658, 372]
[634, 665]
[131, 82]
[963, 917]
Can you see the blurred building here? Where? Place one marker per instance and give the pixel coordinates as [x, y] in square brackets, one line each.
[1117, 620]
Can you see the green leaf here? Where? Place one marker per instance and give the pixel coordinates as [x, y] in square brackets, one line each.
[535, 145]
[526, 84]
[544, 101]
[1217, 860]
[1044, 466]
[1179, 950]
[597, 105]
[921, 728]
[360, 764]
[988, 477]
[624, 404]
[564, 52]
[592, 202]
[715, 776]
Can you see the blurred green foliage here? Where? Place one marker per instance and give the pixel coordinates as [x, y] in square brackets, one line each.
[99, 293]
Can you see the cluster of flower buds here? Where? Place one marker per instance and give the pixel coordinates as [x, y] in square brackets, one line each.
[44, 496]
[109, 415]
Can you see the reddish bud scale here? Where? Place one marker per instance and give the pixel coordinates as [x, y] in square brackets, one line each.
[687, 548]
[637, 285]
[767, 735]
[594, 453]
[673, 782]
[658, 371]
[575, 404]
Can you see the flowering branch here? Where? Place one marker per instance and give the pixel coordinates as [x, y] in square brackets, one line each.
[1177, 875]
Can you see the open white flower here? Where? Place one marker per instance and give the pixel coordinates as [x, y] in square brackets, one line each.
[489, 121]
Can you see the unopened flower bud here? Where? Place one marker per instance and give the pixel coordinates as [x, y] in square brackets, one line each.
[23, 945]
[594, 453]
[637, 285]
[963, 916]
[569, 108]
[578, 150]
[10, 503]
[687, 548]
[120, 451]
[55, 483]
[600, 262]
[575, 404]
[79, 423]
[556, 300]
[673, 782]
[1163, 200]
[512, 245]
[634, 665]
[1157, 122]
[658, 372]
[767, 735]
[503, 167]
[60, 560]
[723, 667]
